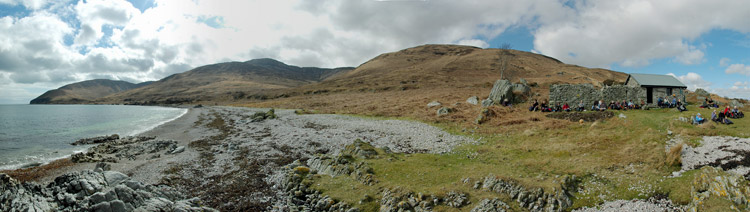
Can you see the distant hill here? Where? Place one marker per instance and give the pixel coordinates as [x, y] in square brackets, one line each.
[403, 82]
[224, 82]
[85, 91]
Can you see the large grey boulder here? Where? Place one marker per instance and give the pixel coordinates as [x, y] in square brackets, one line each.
[501, 90]
[701, 92]
[486, 102]
[434, 104]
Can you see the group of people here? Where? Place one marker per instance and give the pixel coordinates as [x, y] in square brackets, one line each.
[597, 106]
[545, 107]
[709, 103]
[722, 117]
[674, 103]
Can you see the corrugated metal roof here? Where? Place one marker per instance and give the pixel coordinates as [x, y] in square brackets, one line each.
[656, 80]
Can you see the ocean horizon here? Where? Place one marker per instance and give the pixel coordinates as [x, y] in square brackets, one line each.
[38, 134]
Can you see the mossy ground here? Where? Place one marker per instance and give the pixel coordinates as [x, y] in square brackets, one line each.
[617, 158]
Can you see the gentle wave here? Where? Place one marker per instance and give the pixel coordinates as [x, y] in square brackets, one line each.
[146, 129]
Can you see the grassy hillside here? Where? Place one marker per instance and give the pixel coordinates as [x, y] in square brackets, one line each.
[616, 158]
[402, 83]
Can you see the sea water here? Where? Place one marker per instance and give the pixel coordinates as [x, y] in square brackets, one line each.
[32, 134]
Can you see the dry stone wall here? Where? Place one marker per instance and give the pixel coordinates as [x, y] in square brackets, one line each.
[572, 94]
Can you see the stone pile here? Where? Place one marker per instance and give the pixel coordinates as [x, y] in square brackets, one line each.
[300, 197]
[491, 205]
[534, 200]
[93, 191]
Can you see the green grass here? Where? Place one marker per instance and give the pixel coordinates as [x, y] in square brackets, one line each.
[619, 158]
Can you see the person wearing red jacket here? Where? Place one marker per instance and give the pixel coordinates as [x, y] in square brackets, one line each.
[566, 107]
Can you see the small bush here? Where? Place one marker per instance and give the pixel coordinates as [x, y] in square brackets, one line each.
[674, 155]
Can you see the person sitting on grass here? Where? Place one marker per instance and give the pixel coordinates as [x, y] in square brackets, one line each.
[557, 107]
[705, 104]
[630, 104]
[681, 107]
[658, 102]
[566, 107]
[602, 106]
[642, 104]
[711, 103]
[736, 113]
[544, 106]
[699, 119]
[580, 106]
[674, 102]
[595, 106]
[714, 117]
[506, 103]
[727, 111]
[534, 106]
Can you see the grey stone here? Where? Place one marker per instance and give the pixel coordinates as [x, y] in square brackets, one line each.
[474, 100]
[444, 111]
[178, 150]
[501, 90]
[434, 104]
[113, 177]
[486, 102]
[523, 81]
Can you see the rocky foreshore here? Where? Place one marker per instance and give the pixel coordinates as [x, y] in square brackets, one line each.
[97, 190]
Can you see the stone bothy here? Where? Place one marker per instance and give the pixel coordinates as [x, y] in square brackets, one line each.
[657, 86]
[638, 87]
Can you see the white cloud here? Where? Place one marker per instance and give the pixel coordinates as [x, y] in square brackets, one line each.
[724, 62]
[30, 4]
[693, 81]
[474, 42]
[633, 33]
[738, 69]
[94, 14]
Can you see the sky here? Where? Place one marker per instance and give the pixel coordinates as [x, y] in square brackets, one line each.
[46, 44]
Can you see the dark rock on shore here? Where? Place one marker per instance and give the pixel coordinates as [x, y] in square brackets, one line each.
[96, 140]
[112, 150]
[93, 191]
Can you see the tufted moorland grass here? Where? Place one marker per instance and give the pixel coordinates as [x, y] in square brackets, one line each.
[618, 158]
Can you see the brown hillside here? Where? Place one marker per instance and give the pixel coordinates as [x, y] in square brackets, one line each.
[84, 92]
[223, 81]
[402, 83]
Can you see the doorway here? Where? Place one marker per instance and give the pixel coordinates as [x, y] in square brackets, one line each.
[650, 95]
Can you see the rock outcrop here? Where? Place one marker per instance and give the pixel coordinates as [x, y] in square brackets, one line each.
[93, 191]
[111, 149]
[504, 89]
[96, 140]
[712, 182]
[532, 199]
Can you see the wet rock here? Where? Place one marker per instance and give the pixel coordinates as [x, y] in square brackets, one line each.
[96, 140]
[91, 157]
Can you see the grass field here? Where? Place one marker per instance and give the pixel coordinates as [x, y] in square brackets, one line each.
[617, 158]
